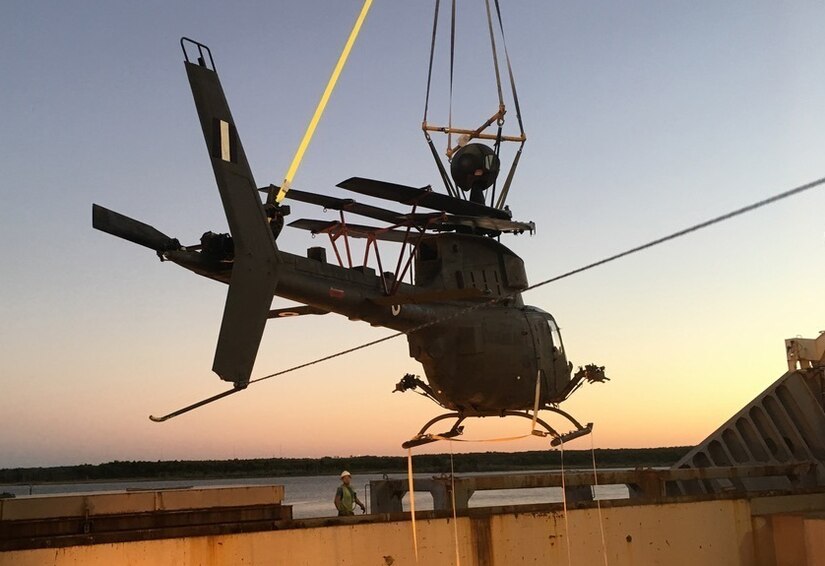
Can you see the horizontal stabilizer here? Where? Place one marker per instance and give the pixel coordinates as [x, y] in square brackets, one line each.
[296, 311]
[130, 229]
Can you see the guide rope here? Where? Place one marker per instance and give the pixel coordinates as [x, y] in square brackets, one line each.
[564, 505]
[411, 488]
[452, 499]
[411, 482]
[678, 234]
[652, 243]
[598, 501]
[439, 437]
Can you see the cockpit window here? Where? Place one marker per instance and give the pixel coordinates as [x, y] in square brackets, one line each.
[554, 332]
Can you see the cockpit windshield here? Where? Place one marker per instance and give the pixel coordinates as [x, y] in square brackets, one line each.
[554, 332]
[547, 328]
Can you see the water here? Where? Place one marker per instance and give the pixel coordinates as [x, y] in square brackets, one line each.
[311, 496]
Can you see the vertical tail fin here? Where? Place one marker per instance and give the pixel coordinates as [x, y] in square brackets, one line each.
[255, 269]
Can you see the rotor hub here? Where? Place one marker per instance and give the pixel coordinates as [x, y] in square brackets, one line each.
[474, 168]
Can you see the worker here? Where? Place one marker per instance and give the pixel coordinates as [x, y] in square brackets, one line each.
[345, 497]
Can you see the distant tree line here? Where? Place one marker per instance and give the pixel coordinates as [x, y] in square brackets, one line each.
[269, 467]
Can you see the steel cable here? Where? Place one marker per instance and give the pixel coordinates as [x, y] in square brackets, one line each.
[678, 234]
[718, 219]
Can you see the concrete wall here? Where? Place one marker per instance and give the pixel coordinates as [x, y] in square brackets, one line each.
[676, 534]
[109, 503]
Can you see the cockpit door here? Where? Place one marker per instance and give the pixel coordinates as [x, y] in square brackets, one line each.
[551, 362]
[561, 368]
[543, 347]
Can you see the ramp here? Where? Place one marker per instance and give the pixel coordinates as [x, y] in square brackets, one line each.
[785, 424]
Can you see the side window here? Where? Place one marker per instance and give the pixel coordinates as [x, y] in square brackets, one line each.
[427, 252]
[554, 332]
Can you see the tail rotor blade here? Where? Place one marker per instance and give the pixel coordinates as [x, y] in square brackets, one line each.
[130, 229]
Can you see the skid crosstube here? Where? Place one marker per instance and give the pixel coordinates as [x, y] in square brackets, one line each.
[423, 437]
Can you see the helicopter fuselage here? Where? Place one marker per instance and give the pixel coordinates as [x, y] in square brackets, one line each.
[481, 355]
[483, 351]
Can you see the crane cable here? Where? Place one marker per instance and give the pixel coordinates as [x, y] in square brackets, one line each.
[445, 178]
[452, 76]
[678, 234]
[506, 188]
[500, 121]
[448, 184]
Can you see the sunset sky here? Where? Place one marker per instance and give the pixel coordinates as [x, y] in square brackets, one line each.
[643, 118]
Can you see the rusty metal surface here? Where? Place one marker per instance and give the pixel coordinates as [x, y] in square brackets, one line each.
[72, 531]
[92, 518]
[699, 532]
[140, 501]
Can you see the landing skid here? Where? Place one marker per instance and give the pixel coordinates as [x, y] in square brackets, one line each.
[423, 437]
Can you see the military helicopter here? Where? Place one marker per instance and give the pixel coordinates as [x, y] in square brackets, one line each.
[484, 352]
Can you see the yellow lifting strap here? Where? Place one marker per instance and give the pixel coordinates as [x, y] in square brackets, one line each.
[322, 104]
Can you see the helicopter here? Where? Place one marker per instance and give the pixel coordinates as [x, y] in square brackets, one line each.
[484, 352]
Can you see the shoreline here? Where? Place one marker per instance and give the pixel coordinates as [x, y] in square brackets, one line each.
[486, 462]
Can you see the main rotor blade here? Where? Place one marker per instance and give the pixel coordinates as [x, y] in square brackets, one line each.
[130, 229]
[420, 197]
[347, 205]
[451, 222]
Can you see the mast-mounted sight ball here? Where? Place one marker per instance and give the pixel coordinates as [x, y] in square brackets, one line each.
[474, 167]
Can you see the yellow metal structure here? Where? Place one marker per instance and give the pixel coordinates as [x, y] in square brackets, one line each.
[322, 104]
